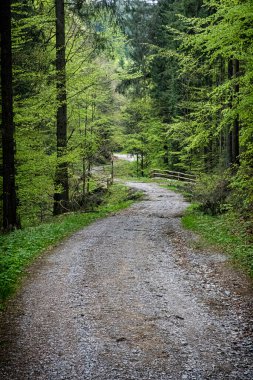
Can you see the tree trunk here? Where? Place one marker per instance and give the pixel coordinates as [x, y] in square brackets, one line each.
[61, 197]
[10, 218]
[230, 132]
[142, 164]
[208, 157]
[221, 77]
[166, 154]
[235, 131]
[233, 135]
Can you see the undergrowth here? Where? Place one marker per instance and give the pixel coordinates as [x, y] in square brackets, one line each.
[19, 248]
[224, 232]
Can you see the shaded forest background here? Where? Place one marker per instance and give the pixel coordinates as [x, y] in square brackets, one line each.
[169, 81]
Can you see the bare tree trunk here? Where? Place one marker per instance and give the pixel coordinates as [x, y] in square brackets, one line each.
[85, 151]
[166, 154]
[208, 157]
[229, 144]
[88, 177]
[236, 126]
[112, 169]
[233, 135]
[10, 218]
[61, 197]
[223, 140]
[142, 164]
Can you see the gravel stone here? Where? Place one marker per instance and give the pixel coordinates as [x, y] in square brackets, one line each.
[129, 297]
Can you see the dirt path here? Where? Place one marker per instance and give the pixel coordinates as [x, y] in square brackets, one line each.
[126, 298]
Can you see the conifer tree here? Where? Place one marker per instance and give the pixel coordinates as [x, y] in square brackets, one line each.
[10, 218]
[61, 196]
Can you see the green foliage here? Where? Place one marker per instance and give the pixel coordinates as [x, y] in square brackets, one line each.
[145, 134]
[198, 88]
[19, 248]
[220, 100]
[222, 36]
[124, 169]
[241, 197]
[223, 232]
[92, 103]
[211, 192]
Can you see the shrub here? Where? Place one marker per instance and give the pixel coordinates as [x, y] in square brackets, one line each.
[241, 197]
[211, 193]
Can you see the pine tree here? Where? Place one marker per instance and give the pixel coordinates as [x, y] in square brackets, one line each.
[61, 196]
[10, 218]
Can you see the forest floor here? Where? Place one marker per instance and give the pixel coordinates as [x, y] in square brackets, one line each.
[130, 297]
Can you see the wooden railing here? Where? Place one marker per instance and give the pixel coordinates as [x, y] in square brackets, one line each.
[173, 175]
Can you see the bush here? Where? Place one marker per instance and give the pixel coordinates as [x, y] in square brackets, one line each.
[241, 197]
[211, 192]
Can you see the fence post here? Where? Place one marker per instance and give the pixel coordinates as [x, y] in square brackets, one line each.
[112, 171]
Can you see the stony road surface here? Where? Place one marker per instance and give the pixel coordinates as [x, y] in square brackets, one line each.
[130, 298]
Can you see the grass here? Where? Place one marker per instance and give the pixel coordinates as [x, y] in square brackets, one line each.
[224, 232]
[20, 248]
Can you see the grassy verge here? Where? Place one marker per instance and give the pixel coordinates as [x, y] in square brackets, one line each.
[19, 248]
[224, 232]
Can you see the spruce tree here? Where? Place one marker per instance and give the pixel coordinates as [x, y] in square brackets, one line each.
[10, 217]
[61, 197]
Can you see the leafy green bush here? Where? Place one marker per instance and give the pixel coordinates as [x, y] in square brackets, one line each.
[211, 193]
[241, 197]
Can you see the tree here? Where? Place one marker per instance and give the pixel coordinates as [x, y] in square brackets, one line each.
[10, 217]
[61, 197]
[145, 137]
[34, 99]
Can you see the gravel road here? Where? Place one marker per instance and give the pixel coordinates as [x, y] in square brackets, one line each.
[129, 298]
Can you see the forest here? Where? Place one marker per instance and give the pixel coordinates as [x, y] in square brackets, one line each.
[109, 269]
[170, 81]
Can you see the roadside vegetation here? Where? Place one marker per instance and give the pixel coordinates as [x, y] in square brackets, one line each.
[222, 232]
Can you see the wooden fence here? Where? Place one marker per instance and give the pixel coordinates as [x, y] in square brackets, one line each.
[173, 175]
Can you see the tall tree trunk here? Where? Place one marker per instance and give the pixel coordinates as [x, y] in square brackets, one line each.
[85, 154]
[221, 77]
[10, 218]
[61, 197]
[142, 164]
[166, 154]
[208, 157]
[235, 131]
[233, 135]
